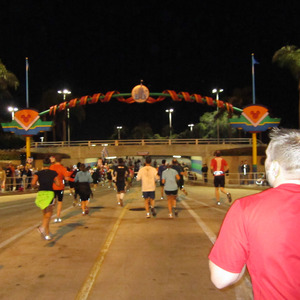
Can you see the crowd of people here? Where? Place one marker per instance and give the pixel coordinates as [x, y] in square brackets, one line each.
[259, 231]
[16, 178]
[118, 174]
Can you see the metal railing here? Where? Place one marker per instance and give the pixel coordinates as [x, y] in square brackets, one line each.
[23, 184]
[238, 179]
[11, 184]
[142, 142]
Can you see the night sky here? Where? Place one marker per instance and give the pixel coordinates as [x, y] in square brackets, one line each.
[191, 46]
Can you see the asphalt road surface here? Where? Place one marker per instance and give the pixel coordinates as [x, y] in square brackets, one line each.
[114, 252]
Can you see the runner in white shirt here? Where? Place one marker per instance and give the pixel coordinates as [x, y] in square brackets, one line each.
[148, 175]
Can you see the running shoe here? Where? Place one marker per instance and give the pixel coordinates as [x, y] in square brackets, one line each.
[148, 215]
[83, 213]
[47, 237]
[57, 220]
[153, 211]
[170, 216]
[41, 231]
[229, 197]
[176, 212]
[219, 203]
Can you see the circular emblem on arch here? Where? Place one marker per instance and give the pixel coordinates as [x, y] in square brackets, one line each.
[140, 93]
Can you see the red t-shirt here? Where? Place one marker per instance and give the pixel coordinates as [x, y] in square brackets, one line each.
[218, 164]
[262, 231]
[62, 174]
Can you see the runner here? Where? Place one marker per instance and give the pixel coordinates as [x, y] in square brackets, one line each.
[148, 175]
[218, 168]
[63, 174]
[120, 174]
[83, 179]
[170, 178]
[181, 173]
[45, 178]
[161, 168]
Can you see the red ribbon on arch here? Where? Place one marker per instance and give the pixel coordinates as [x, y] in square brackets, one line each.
[174, 96]
[72, 103]
[198, 98]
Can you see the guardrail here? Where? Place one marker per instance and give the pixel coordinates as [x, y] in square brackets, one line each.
[142, 142]
[23, 184]
[236, 179]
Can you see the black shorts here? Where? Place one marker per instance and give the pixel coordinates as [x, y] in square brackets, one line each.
[219, 181]
[71, 184]
[171, 192]
[59, 194]
[180, 183]
[120, 186]
[150, 195]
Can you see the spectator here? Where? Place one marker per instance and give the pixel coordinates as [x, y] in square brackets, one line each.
[204, 171]
[10, 173]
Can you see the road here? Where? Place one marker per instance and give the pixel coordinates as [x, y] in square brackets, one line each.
[114, 252]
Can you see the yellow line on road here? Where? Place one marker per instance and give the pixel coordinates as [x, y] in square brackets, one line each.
[90, 280]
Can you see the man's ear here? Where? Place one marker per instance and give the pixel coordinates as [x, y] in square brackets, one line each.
[275, 168]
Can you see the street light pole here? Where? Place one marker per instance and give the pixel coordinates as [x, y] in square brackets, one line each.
[66, 92]
[12, 110]
[170, 111]
[119, 131]
[217, 91]
[191, 126]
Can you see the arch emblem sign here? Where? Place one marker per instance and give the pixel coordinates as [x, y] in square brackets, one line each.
[140, 93]
[254, 118]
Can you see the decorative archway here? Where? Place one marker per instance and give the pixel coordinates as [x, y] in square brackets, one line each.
[153, 98]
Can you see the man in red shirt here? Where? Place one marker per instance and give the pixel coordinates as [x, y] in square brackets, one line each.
[63, 174]
[219, 166]
[262, 231]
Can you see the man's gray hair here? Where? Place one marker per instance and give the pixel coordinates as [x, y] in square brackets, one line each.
[284, 147]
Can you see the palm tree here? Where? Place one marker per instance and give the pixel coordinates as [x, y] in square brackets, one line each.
[289, 57]
[7, 80]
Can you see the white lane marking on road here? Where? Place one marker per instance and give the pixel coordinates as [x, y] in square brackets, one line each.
[91, 278]
[16, 197]
[16, 236]
[17, 205]
[25, 231]
[212, 237]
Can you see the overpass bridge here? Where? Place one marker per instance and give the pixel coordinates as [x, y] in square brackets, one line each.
[235, 149]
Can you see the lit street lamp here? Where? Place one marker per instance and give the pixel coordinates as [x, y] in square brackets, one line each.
[12, 110]
[170, 111]
[119, 131]
[66, 92]
[217, 92]
[191, 126]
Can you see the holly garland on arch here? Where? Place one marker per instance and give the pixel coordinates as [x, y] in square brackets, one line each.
[127, 98]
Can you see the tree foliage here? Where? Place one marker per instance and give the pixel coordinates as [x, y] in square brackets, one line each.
[8, 80]
[289, 57]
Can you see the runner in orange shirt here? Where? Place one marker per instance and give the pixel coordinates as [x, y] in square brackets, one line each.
[63, 174]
